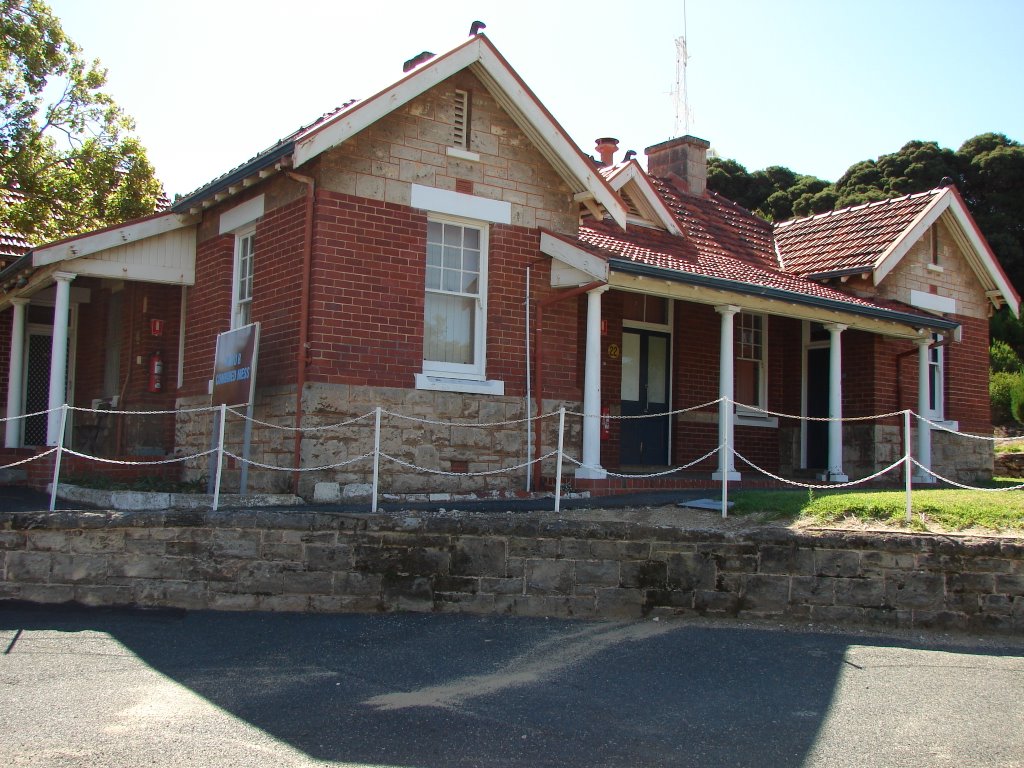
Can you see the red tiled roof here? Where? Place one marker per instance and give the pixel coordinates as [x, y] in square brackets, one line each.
[716, 226]
[655, 248]
[12, 244]
[849, 239]
[722, 241]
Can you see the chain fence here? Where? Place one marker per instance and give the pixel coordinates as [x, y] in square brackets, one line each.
[726, 452]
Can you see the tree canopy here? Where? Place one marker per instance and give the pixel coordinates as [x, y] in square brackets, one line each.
[987, 169]
[65, 145]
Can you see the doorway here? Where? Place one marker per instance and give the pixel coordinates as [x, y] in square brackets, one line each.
[644, 392]
[816, 432]
[37, 385]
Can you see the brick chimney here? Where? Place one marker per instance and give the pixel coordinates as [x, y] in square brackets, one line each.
[607, 148]
[686, 158]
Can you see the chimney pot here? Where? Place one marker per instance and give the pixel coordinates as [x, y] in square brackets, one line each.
[607, 148]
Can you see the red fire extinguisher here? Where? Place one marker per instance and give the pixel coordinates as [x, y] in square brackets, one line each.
[156, 372]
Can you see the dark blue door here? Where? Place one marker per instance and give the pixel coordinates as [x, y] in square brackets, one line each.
[817, 406]
[645, 393]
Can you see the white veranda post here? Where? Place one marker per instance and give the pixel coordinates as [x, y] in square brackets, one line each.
[835, 405]
[924, 430]
[59, 355]
[727, 352]
[591, 468]
[16, 372]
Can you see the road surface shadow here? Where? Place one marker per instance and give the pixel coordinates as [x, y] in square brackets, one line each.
[437, 691]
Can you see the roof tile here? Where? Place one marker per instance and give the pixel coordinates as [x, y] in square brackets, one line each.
[848, 239]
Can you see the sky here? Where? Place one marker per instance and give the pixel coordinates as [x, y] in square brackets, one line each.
[814, 85]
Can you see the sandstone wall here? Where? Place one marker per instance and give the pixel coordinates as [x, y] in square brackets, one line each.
[257, 560]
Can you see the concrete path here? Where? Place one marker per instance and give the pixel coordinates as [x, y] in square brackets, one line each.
[82, 687]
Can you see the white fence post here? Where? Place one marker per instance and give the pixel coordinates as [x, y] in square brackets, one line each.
[57, 457]
[728, 458]
[558, 459]
[908, 465]
[376, 459]
[220, 458]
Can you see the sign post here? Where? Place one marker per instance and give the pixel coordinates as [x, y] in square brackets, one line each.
[234, 381]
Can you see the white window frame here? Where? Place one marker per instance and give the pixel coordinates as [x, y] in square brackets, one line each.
[745, 414]
[475, 371]
[241, 308]
[936, 381]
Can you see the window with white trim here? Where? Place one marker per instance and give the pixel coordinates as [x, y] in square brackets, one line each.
[241, 294]
[936, 381]
[455, 306]
[750, 388]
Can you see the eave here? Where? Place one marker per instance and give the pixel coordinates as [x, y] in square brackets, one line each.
[950, 207]
[260, 167]
[480, 57]
[629, 275]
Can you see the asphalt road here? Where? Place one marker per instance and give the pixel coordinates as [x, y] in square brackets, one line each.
[81, 687]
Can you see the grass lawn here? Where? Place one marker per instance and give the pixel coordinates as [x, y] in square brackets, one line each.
[933, 509]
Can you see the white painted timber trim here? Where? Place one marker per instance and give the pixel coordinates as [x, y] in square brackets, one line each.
[459, 204]
[470, 386]
[633, 173]
[146, 273]
[932, 302]
[892, 255]
[519, 101]
[242, 215]
[109, 238]
[573, 256]
[985, 258]
[365, 113]
[585, 176]
[982, 260]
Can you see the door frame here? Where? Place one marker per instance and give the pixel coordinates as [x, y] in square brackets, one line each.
[806, 346]
[42, 329]
[666, 329]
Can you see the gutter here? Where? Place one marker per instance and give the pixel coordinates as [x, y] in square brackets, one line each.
[234, 177]
[20, 263]
[746, 289]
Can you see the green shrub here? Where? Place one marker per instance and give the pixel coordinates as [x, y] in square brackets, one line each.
[1002, 358]
[1000, 385]
[1017, 398]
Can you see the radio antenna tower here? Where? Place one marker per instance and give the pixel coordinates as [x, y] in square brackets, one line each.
[680, 94]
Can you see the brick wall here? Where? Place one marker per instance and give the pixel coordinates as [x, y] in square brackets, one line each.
[209, 311]
[258, 560]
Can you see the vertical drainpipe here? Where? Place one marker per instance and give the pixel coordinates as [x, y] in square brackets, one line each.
[302, 352]
[538, 369]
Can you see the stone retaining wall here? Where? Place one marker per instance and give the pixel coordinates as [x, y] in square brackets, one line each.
[258, 560]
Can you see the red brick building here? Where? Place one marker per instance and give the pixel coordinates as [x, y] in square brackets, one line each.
[442, 249]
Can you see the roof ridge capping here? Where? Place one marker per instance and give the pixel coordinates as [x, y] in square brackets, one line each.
[860, 207]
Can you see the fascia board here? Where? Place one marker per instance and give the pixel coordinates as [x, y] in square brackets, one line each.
[572, 255]
[85, 245]
[481, 56]
[146, 273]
[984, 257]
[892, 255]
[633, 173]
[365, 113]
[761, 293]
[566, 154]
